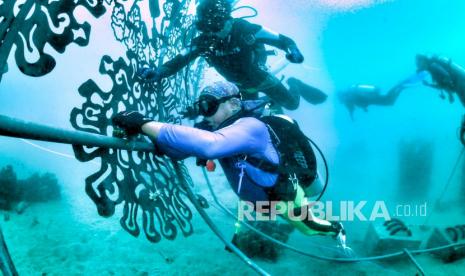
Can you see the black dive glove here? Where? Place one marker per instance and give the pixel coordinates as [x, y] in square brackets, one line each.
[149, 74]
[294, 55]
[130, 121]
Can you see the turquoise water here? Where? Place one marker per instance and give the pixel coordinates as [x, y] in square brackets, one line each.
[344, 43]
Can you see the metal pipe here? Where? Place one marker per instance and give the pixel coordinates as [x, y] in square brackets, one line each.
[22, 129]
[28, 130]
[190, 194]
[415, 263]
[6, 263]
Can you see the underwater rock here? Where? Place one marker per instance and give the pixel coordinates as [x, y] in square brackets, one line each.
[16, 194]
[34, 222]
[9, 191]
[392, 236]
[38, 188]
[21, 206]
[168, 259]
[446, 236]
[256, 246]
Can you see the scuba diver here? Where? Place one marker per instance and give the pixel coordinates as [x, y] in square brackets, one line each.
[446, 76]
[236, 49]
[362, 95]
[246, 146]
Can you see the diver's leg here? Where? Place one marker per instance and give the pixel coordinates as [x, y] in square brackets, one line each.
[279, 94]
[299, 215]
[310, 225]
[237, 229]
[391, 97]
[308, 93]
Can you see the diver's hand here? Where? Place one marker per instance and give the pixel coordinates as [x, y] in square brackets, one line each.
[149, 74]
[341, 239]
[130, 121]
[294, 55]
[337, 228]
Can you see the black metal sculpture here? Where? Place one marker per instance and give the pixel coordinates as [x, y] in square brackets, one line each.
[146, 184]
[32, 24]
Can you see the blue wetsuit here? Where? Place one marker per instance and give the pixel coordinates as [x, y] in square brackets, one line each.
[246, 137]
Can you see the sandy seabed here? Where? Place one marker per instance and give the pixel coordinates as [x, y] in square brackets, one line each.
[56, 239]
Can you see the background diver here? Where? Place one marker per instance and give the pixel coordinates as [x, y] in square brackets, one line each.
[362, 95]
[447, 76]
[236, 49]
[236, 140]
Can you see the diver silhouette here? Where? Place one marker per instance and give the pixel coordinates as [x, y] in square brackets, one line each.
[236, 49]
[447, 76]
[362, 95]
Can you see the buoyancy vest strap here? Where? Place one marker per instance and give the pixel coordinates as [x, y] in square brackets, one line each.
[263, 164]
[270, 167]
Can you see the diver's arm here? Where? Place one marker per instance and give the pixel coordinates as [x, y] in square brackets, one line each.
[178, 62]
[282, 42]
[272, 38]
[169, 68]
[243, 137]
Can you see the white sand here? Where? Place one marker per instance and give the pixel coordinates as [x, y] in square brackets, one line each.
[60, 238]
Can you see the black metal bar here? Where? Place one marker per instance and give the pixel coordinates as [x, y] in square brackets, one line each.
[412, 259]
[28, 130]
[6, 263]
[209, 222]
